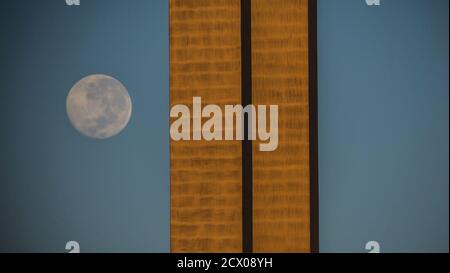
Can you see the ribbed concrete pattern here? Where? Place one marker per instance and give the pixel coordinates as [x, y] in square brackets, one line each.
[280, 76]
[206, 177]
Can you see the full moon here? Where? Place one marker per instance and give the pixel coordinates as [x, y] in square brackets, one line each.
[99, 106]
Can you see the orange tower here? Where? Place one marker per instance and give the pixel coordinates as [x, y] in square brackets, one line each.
[227, 196]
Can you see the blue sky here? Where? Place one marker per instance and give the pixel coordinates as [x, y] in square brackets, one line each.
[56, 184]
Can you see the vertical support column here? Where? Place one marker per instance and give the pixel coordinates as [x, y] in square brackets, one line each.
[246, 90]
[281, 179]
[313, 126]
[205, 176]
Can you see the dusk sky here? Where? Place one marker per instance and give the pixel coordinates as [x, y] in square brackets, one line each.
[57, 185]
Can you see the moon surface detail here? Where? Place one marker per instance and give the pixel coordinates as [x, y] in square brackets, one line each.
[99, 106]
